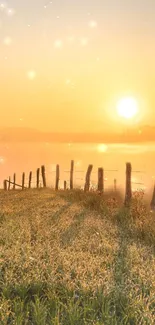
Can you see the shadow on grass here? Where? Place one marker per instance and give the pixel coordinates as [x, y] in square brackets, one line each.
[137, 225]
[57, 215]
[120, 294]
[129, 304]
[94, 201]
[45, 303]
[54, 303]
[54, 219]
[70, 234]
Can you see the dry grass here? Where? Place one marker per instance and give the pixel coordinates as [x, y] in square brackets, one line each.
[74, 258]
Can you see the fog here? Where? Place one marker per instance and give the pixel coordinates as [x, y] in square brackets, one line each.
[26, 157]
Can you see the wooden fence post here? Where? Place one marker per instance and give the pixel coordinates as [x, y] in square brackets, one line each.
[65, 185]
[71, 174]
[9, 183]
[30, 179]
[43, 175]
[14, 181]
[23, 181]
[152, 204]
[5, 185]
[115, 185]
[100, 186]
[57, 177]
[128, 190]
[37, 174]
[87, 179]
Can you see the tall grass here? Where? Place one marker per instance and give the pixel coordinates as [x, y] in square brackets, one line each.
[76, 258]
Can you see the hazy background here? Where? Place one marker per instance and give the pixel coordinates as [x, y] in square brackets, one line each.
[63, 66]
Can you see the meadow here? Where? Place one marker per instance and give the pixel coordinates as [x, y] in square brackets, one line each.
[75, 258]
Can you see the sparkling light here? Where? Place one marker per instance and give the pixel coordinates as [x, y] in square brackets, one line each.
[68, 81]
[3, 6]
[92, 24]
[84, 41]
[47, 4]
[78, 163]
[102, 147]
[31, 74]
[10, 12]
[2, 160]
[7, 41]
[58, 43]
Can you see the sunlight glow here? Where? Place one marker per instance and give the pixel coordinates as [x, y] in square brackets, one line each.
[10, 12]
[31, 74]
[84, 41]
[102, 147]
[2, 160]
[3, 6]
[92, 24]
[127, 107]
[7, 41]
[58, 44]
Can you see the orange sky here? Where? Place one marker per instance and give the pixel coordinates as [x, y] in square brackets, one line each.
[84, 62]
[63, 67]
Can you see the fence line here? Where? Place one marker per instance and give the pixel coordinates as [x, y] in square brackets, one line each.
[39, 180]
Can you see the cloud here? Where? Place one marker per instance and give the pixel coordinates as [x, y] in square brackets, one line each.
[21, 134]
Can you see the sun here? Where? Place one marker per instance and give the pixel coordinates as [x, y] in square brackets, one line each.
[127, 107]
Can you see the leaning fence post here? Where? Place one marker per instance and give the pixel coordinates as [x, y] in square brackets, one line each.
[14, 181]
[115, 185]
[65, 185]
[43, 175]
[38, 174]
[23, 180]
[152, 204]
[9, 183]
[5, 185]
[71, 174]
[30, 179]
[128, 190]
[57, 177]
[87, 179]
[100, 186]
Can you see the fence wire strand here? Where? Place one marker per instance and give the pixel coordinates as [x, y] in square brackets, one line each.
[51, 174]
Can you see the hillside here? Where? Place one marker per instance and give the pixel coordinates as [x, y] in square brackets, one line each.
[73, 258]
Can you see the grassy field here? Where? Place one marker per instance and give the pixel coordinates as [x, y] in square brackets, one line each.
[70, 258]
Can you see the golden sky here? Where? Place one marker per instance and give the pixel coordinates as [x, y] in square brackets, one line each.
[64, 64]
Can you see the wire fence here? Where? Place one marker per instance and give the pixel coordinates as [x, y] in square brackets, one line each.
[35, 178]
[87, 180]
